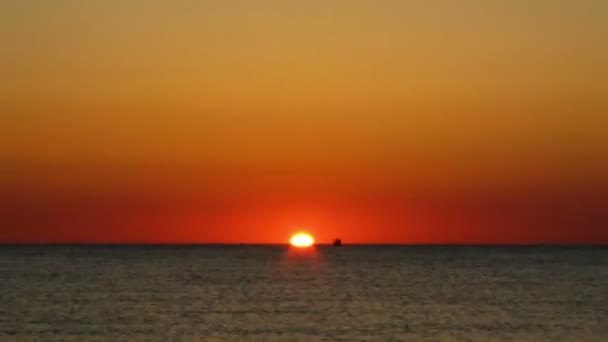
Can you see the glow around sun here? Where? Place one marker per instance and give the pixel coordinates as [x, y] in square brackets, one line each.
[301, 240]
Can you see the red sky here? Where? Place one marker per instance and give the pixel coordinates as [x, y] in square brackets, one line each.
[245, 210]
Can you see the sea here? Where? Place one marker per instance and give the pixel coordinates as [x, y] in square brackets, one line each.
[323, 293]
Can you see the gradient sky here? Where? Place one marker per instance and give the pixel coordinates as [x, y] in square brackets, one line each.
[433, 121]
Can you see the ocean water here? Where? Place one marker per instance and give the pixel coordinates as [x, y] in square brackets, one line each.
[266, 293]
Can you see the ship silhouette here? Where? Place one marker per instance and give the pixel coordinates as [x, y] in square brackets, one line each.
[337, 242]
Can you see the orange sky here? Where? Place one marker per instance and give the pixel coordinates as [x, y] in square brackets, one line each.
[243, 121]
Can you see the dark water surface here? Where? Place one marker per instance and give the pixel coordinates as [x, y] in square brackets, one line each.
[113, 293]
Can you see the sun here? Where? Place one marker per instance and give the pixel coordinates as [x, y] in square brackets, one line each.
[302, 240]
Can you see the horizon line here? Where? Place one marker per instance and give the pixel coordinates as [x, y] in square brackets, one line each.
[328, 244]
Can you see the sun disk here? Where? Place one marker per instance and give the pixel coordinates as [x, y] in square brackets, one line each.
[302, 240]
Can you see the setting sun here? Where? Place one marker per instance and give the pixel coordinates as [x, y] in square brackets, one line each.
[302, 240]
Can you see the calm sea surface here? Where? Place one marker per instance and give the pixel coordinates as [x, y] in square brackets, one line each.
[264, 293]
